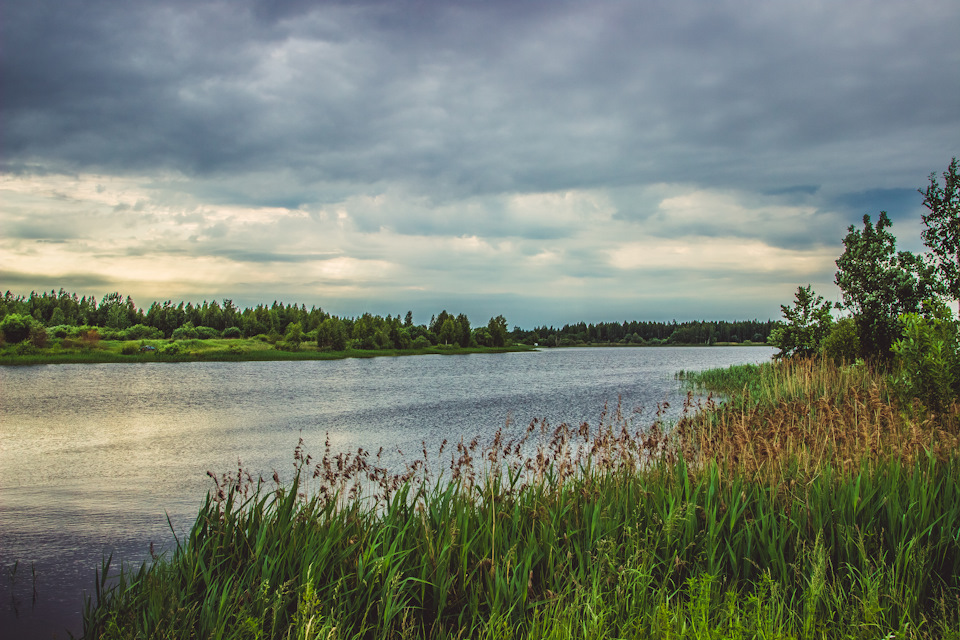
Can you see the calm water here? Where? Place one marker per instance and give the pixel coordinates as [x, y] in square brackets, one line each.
[94, 458]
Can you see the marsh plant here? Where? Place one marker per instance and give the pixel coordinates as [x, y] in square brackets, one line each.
[809, 505]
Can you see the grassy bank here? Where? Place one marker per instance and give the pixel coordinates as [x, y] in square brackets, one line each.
[213, 350]
[808, 511]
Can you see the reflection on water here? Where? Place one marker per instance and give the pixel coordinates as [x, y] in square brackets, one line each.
[94, 458]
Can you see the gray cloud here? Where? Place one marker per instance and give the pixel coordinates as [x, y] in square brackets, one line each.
[427, 119]
[475, 97]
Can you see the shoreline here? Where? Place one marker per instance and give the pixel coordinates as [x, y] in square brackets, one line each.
[224, 350]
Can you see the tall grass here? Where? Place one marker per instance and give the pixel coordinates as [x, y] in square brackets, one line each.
[605, 532]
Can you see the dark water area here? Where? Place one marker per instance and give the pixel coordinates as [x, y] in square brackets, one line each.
[95, 458]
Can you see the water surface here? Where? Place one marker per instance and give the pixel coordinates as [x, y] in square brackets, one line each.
[95, 457]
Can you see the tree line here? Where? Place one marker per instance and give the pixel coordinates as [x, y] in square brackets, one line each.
[894, 312]
[649, 333]
[61, 314]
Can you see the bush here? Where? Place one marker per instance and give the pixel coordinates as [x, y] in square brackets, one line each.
[142, 332]
[207, 333]
[842, 344]
[110, 333]
[422, 342]
[171, 349]
[130, 349]
[232, 333]
[928, 358]
[38, 336]
[16, 327]
[61, 331]
[185, 332]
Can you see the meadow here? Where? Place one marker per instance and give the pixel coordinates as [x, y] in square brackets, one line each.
[79, 351]
[809, 504]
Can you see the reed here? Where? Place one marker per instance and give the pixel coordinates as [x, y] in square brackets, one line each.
[579, 532]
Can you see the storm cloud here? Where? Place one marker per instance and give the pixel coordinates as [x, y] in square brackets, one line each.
[516, 157]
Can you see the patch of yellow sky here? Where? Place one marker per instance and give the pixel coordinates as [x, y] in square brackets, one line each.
[138, 233]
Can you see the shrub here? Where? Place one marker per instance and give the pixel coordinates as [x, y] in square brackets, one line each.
[130, 349]
[928, 355]
[232, 333]
[422, 342]
[185, 332]
[207, 333]
[38, 336]
[170, 349]
[842, 344]
[61, 331]
[16, 327]
[142, 332]
[90, 337]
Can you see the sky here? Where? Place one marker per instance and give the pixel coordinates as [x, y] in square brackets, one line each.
[550, 161]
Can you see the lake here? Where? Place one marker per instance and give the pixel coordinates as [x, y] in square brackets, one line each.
[94, 458]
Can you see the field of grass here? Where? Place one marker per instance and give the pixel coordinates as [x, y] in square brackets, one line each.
[809, 506]
[229, 350]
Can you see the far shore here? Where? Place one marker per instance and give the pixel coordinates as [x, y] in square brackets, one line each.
[241, 350]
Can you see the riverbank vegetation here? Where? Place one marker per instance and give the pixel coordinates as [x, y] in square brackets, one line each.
[58, 327]
[812, 505]
[895, 313]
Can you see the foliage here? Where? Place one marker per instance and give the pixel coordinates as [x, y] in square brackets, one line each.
[806, 325]
[842, 344]
[498, 331]
[928, 357]
[232, 333]
[16, 327]
[879, 284]
[38, 336]
[647, 332]
[332, 335]
[942, 233]
[142, 332]
[185, 332]
[294, 334]
[171, 349]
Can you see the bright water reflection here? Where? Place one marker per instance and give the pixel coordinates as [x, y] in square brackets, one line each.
[94, 457]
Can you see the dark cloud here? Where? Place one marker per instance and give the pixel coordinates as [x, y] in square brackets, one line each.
[900, 204]
[427, 123]
[478, 97]
[74, 282]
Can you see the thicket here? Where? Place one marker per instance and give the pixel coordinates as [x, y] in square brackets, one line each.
[895, 303]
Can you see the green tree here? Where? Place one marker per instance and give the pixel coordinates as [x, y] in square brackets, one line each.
[942, 235]
[879, 284]
[498, 331]
[805, 325]
[449, 331]
[16, 327]
[463, 327]
[294, 334]
[331, 334]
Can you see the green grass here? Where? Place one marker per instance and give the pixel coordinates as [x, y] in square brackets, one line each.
[604, 532]
[214, 350]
